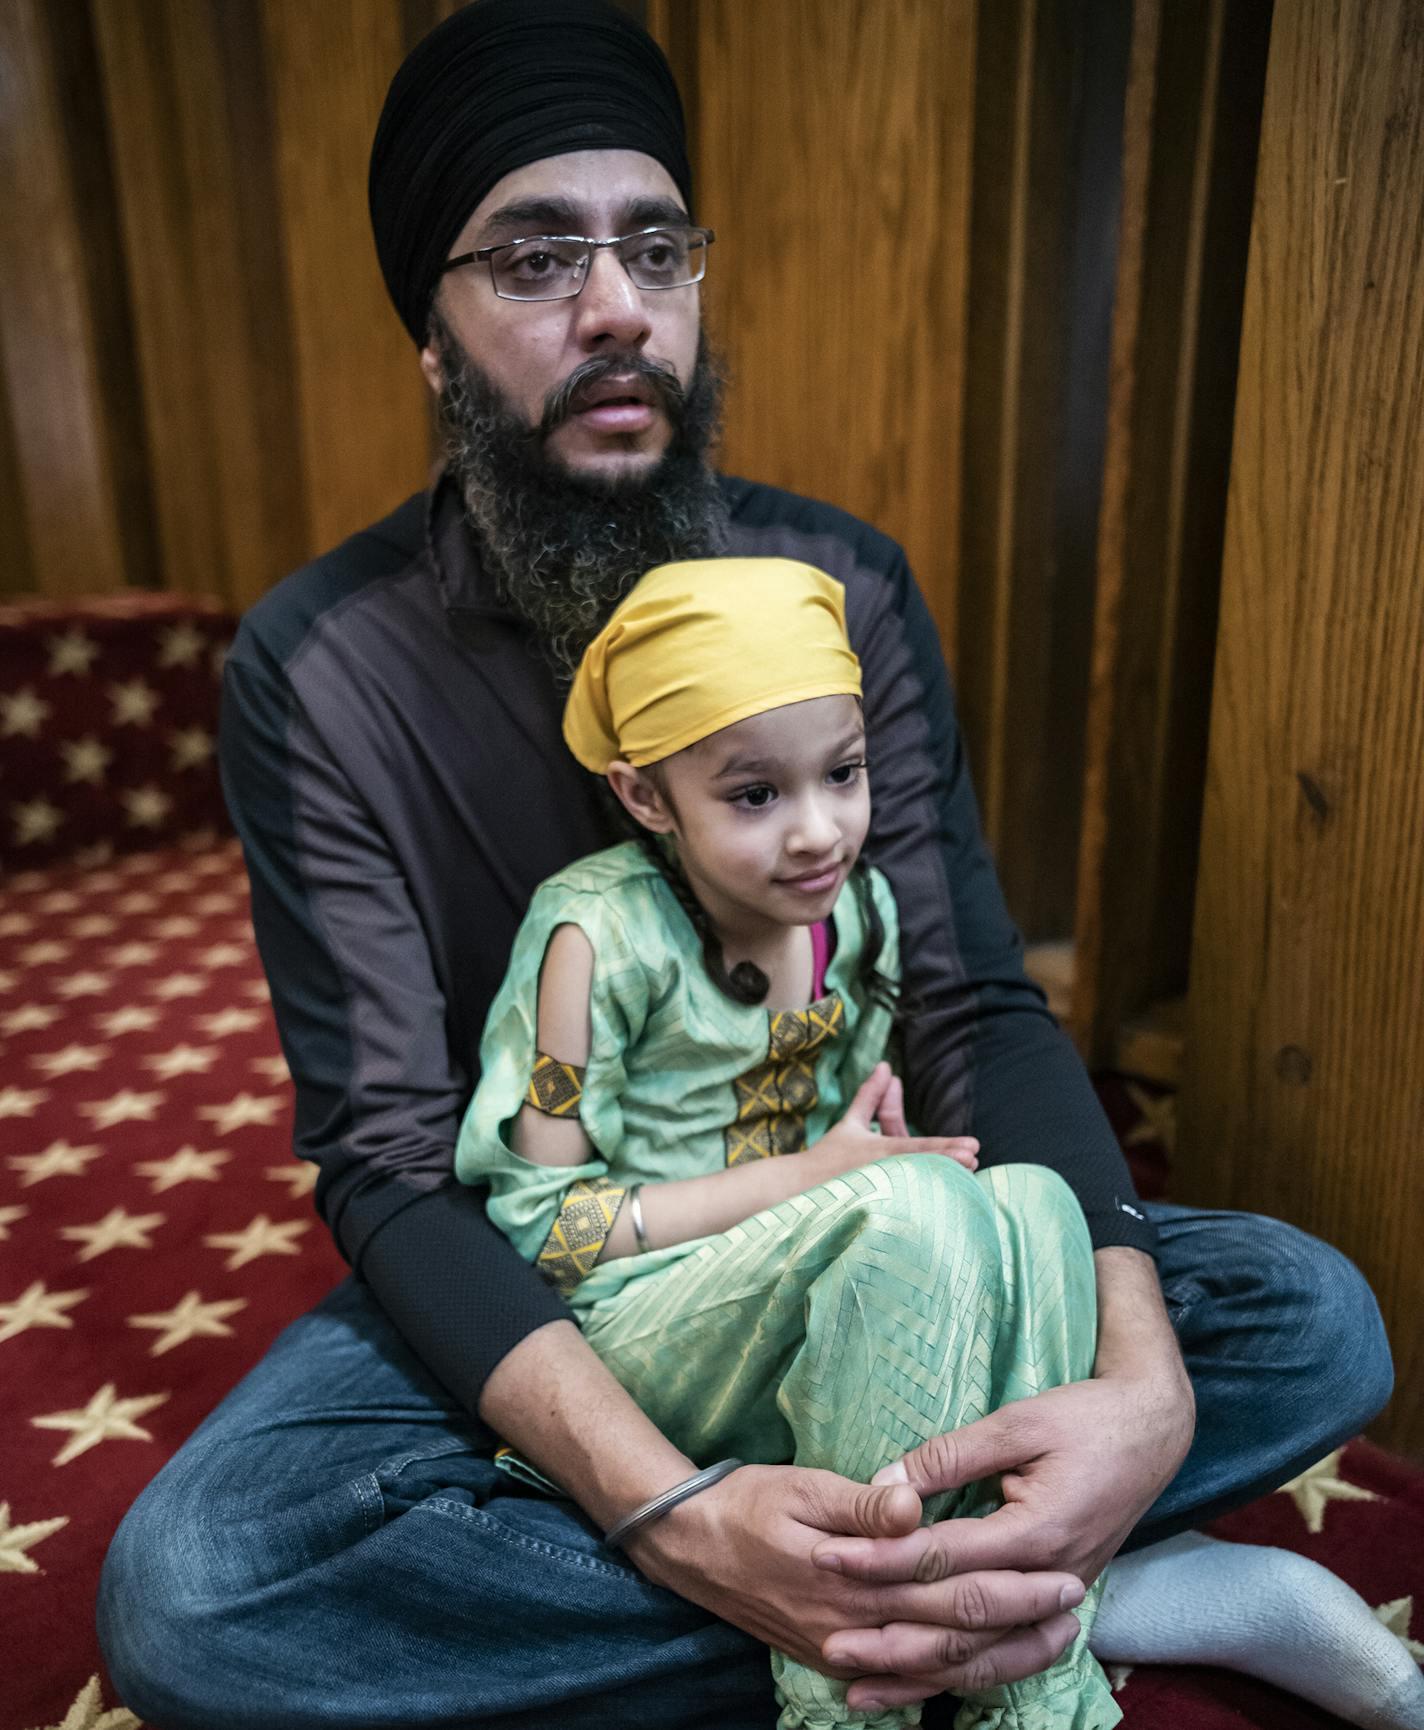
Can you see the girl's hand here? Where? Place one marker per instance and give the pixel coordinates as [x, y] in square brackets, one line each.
[854, 1143]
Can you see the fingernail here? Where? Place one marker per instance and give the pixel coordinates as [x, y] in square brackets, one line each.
[831, 1563]
[1070, 1597]
[841, 1655]
[895, 1474]
[871, 1703]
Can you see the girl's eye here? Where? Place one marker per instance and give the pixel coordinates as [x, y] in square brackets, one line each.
[754, 798]
[846, 774]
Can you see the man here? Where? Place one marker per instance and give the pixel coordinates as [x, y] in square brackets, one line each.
[335, 1544]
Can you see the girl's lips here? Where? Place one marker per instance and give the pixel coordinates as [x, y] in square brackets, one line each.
[812, 882]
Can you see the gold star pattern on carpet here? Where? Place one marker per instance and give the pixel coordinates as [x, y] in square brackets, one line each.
[137, 1018]
[145, 807]
[85, 760]
[8, 1216]
[106, 1416]
[38, 1308]
[191, 747]
[21, 1101]
[28, 1018]
[180, 645]
[22, 714]
[87, 1713]
[1118, 1675]
[71, 1059]
[182, 1060]
[70, 652]
[16, 1541]
[299, 1175]
[227, 1021]
[185, 1166]
[83, 985]
[241, 1110]
[1396, 1616]
[59, 1159]
[125, 1106]
[131, 955]
[35, 820]
[259, 1236]
[134, 703]
[117, 1230]
[190, 1318]
[1320, 1485]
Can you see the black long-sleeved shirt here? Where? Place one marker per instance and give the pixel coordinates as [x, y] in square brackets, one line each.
[392, 757]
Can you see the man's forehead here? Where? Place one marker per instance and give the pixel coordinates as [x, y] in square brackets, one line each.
[593, 191]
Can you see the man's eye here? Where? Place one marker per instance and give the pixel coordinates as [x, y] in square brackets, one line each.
[536, 261]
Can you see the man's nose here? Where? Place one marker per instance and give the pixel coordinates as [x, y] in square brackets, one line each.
[611, 312]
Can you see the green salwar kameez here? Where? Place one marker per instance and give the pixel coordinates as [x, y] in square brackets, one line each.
[837, 1330]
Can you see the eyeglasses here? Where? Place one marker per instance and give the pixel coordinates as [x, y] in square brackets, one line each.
[556, 266]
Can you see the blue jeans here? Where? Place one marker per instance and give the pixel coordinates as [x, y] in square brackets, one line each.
[333, 1546]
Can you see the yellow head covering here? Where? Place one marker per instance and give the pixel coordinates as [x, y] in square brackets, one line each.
[698, 645]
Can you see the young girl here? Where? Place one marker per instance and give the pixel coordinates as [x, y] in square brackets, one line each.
[683, 1013]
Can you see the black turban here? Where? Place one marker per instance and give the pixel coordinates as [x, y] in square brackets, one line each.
[500, 84]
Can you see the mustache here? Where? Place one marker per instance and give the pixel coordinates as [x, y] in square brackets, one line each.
[663, 384]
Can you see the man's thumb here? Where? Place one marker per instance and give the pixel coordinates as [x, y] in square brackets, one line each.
[882, 1511]
[866, 1105]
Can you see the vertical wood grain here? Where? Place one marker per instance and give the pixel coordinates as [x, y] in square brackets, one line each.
[1049, 84]
[1190, 128]
[1304, 1087]
[183, 81]
[832, 149]
[60, 453]
[362, 415]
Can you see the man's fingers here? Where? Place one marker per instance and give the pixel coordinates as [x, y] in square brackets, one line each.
[865, 1512]
[1023, 1652]
[1009, 1538]
[933, 1628]
[892, 1109]
[980, 1450]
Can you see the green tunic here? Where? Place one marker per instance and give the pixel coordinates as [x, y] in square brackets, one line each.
[680, 1081]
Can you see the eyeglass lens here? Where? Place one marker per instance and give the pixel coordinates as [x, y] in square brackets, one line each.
[552, 269]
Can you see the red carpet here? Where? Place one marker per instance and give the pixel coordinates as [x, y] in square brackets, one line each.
[155, 1231]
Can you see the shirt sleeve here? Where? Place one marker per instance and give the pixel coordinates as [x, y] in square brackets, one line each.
[556, 1216]
[982, 1053]
[362, 1022]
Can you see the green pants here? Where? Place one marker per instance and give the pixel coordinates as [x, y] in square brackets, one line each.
[847, 1325]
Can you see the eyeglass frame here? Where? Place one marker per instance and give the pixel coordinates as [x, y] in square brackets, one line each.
[485, 255]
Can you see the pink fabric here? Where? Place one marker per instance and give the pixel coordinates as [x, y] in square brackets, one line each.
[820, 958]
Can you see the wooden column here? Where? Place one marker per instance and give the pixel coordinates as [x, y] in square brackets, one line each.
[1304, 1087]
[831, 146]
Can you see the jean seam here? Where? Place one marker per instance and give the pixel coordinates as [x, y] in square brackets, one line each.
[537, 1546]
[373, 1502]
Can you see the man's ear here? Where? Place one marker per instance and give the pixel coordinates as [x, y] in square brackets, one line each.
[641, 797]
[431, 367]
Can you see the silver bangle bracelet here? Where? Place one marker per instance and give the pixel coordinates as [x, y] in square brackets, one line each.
[635, 1213]
[668, 1500]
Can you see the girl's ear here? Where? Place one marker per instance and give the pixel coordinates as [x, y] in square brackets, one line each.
[641, 797]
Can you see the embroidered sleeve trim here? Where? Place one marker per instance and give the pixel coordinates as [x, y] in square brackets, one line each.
[555, 1088]
[577, 1237]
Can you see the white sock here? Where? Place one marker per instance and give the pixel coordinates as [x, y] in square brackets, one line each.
[1271, 1613]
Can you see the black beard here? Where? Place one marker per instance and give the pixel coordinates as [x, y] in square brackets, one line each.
[563, 548]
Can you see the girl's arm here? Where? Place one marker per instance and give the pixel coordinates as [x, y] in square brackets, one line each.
[700, 1206]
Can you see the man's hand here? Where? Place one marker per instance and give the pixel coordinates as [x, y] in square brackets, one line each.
[744, 1550]
[1078, 1466]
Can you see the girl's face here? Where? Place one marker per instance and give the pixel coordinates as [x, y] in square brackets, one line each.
[769, 815]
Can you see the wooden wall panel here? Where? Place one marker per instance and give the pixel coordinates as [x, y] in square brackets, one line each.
[1049, 80]
[832, 149]
[362, 406]
[61, 449]
[183, 85]
[1304, 1091]
[1190, 129]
